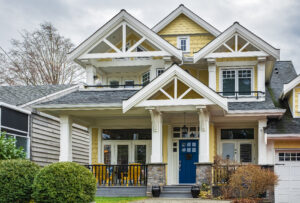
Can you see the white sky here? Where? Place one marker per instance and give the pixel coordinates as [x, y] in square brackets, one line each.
[276, 21]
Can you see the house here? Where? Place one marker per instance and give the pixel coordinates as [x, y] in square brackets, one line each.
[161, 103]
[36, 132]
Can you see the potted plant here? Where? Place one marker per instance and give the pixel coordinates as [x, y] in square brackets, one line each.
[155, 190]
[195, 190]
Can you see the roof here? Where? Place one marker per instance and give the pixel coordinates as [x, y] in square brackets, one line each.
[260, 105]
[123, 15]
[18, 95]
[187, 12]
[245, 33]
[283, 72]
[92, 97]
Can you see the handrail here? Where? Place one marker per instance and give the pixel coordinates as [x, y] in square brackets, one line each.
[119, 175]
[117, 86]
[238, 94]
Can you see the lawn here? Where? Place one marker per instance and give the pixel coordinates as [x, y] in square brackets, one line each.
[118, 199]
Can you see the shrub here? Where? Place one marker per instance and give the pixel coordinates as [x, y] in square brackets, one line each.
[8, 149]
[16, 178]
[64, 182]
[251, 181]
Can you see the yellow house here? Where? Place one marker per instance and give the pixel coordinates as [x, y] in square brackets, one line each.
[162, 103]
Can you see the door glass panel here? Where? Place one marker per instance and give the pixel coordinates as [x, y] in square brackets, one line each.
[107, 154]
[228, 151]
[140, 154]
[122, 157]
[245, 152]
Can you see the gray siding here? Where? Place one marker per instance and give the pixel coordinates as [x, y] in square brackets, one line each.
[45, 141]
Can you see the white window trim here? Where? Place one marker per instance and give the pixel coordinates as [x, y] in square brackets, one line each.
[147, 72]
[187, 43]
[237, 68]
[298, 109]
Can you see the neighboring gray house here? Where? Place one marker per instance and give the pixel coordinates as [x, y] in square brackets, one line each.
[38, 133]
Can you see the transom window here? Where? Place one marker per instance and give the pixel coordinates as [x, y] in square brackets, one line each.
[193, 132]
[146, 78]
[183, 43]
[239, 80]
[289, 156]
[159, 71]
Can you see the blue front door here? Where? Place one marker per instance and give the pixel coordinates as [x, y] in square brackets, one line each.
[188, 156]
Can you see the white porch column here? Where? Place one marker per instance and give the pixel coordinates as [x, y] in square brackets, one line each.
[90, 73]
[262, 142]
[261, 72]
[212, 73]
[203, 135]
[65, 153]
[156, 118]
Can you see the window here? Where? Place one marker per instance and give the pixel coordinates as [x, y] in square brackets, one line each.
[122, 155]
[239, 80]
[140, 154]
[114, 84]
[289, 156]
[159, 71]
[183, 43]
[126, 134]
[193, 132]
[107, 154]
[227, 134]
[129, 83]
[146, 78]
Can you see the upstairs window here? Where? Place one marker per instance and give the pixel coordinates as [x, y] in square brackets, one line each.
[239, 80]
[159, 71]
[129, 83]
[146, 78]
[114, 84]
[183, 43]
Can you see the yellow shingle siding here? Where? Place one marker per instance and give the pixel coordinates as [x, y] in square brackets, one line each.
[291, 101]
[286, 144]
[94, 145]
[182, 25]
[296, 99]
[203, 76]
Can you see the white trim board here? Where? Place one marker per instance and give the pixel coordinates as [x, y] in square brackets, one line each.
[243, 32]
[187, 12]
[289, 86]
[16, 108]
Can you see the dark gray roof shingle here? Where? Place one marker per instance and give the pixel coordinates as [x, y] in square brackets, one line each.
[93, 97]
[18, 95]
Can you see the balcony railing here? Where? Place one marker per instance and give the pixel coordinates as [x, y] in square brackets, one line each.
[238, 94]
[120, 175]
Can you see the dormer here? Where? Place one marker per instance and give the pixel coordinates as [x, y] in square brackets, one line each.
[291, 92]
[185, 30]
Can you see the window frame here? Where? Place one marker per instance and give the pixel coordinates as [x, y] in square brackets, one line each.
[159, 69]
[179, 39]
[237, 69]
[148, 81]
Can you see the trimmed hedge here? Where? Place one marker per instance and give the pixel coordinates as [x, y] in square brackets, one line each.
[64, 182]
[16, 179]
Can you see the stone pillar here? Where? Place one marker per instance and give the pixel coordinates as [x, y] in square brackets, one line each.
[156, 119]
[156, 176]
[203, 173]
[65, 153]
[212, 82]
[262, 142]
[261, 72]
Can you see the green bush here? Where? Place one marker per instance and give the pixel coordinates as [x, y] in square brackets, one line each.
[16, 179]
[64, 182]
[8, 149]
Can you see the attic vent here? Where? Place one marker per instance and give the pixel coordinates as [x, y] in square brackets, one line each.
[276, 72]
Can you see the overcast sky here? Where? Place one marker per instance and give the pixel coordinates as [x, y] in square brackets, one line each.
[276, 21]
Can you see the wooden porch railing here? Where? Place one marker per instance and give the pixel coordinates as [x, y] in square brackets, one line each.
[221, 173]
[120, 175]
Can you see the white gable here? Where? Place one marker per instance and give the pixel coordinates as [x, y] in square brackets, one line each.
[206, 96]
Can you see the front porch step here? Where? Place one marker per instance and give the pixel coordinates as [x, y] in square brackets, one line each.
[176, 191]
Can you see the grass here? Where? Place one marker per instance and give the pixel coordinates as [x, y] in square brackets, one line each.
[117, 199]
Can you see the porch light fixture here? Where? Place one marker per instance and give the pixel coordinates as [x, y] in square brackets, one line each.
[184, 129]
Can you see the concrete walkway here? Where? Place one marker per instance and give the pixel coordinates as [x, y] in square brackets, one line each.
[179, 200]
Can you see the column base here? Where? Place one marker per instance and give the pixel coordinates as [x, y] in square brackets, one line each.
[203, 173]
[156, 176]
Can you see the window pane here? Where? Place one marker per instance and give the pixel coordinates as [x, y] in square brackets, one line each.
[107, 154]
[228, 151]
[122, 157]
[126, 134]
[146, 78]
[245, 86]
[183, 44]
[228, 82]
[140, 154]
[129, 83]
[246, 153]
[114, 84]
[22, 142]
[237, 134]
